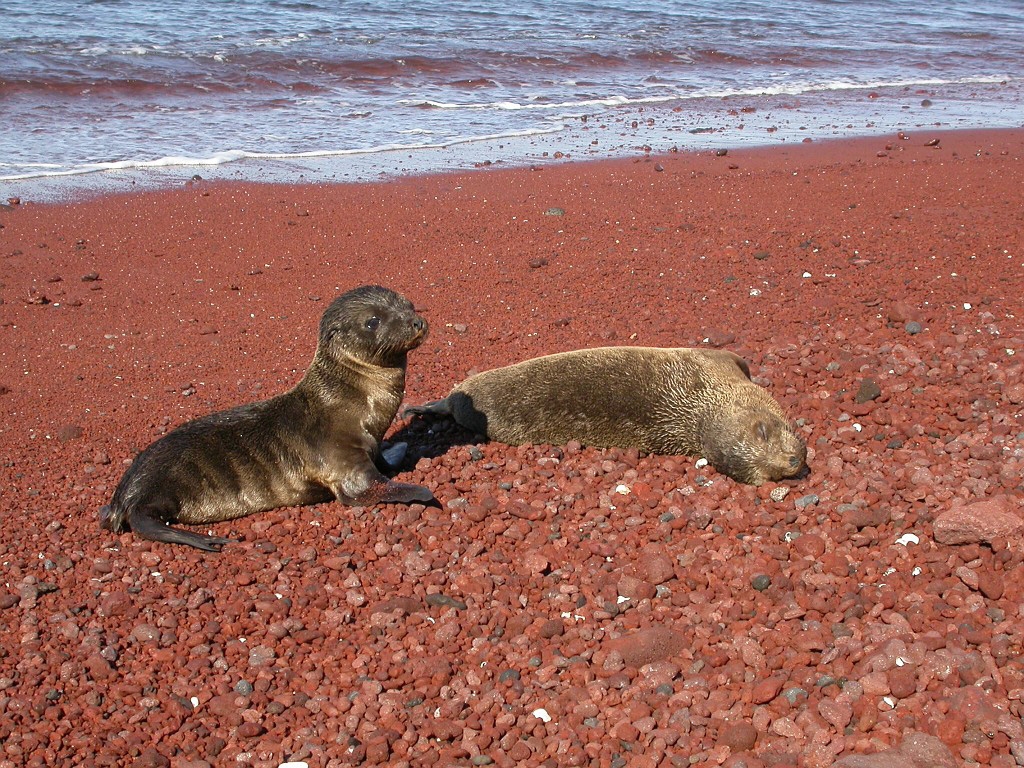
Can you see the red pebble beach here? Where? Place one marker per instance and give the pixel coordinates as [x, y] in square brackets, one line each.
[566, 605]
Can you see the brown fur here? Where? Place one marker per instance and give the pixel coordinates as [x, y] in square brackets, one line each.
[317, 442]
[668, 401]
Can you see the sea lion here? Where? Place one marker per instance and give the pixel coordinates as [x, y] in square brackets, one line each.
[317, 442]
[669, 401]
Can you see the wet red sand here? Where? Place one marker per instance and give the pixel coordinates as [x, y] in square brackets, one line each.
[659, 614]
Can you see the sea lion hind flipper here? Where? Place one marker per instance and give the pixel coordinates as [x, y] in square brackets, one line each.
[150, 525]
[433, 408]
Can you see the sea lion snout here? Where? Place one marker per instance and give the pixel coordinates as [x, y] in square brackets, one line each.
[783, 456]
[803, 472]
[420, 329]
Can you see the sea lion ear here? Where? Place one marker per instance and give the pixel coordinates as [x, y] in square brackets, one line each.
[762, 431]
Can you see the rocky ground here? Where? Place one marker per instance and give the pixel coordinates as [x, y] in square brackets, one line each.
[566, 605]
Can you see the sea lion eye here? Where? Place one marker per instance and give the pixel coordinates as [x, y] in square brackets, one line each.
[373, 323]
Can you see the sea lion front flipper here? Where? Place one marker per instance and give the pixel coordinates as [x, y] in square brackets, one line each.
[365, 485]
[434, 408]
[393, 492]
[148, 524]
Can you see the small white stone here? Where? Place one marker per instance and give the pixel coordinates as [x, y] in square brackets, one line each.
[966, 305]
[700, 463]
[857, 427]
[916, 571]
[542, 715]
[622, 489]
[890, 701]
[297, 764]
[900, 661]
[194, 701]
[908, 538]
[807, 274]
[755, 292]
[620, 600]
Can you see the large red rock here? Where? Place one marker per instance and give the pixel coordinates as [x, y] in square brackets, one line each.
[980, 522]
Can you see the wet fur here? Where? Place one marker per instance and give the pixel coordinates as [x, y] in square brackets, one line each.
[666, 401]
[317, 442]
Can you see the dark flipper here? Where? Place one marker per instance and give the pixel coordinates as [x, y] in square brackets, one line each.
[364, 485]
[391, 492]
[393, 456]
[434, 408]
[150, 525]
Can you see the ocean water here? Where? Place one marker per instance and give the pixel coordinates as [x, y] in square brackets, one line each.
[101, 93]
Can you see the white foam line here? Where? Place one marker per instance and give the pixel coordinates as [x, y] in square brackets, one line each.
[237, 154]
[792, 89]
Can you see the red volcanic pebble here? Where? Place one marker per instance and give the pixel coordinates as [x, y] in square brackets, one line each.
[565, 605]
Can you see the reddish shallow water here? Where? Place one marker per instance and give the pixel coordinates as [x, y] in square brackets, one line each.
[653, 610]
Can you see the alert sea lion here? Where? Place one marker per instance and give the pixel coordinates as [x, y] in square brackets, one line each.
[669, 401]
[317, 442]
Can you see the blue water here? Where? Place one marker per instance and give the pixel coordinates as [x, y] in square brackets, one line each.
[98, 92]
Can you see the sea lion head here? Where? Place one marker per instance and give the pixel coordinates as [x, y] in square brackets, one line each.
[373, 324]
[753, 443]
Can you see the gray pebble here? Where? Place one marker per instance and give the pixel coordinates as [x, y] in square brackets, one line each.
[793, 695]
[807, 501]
[761, 582]
[913, 327]
[243, 687]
